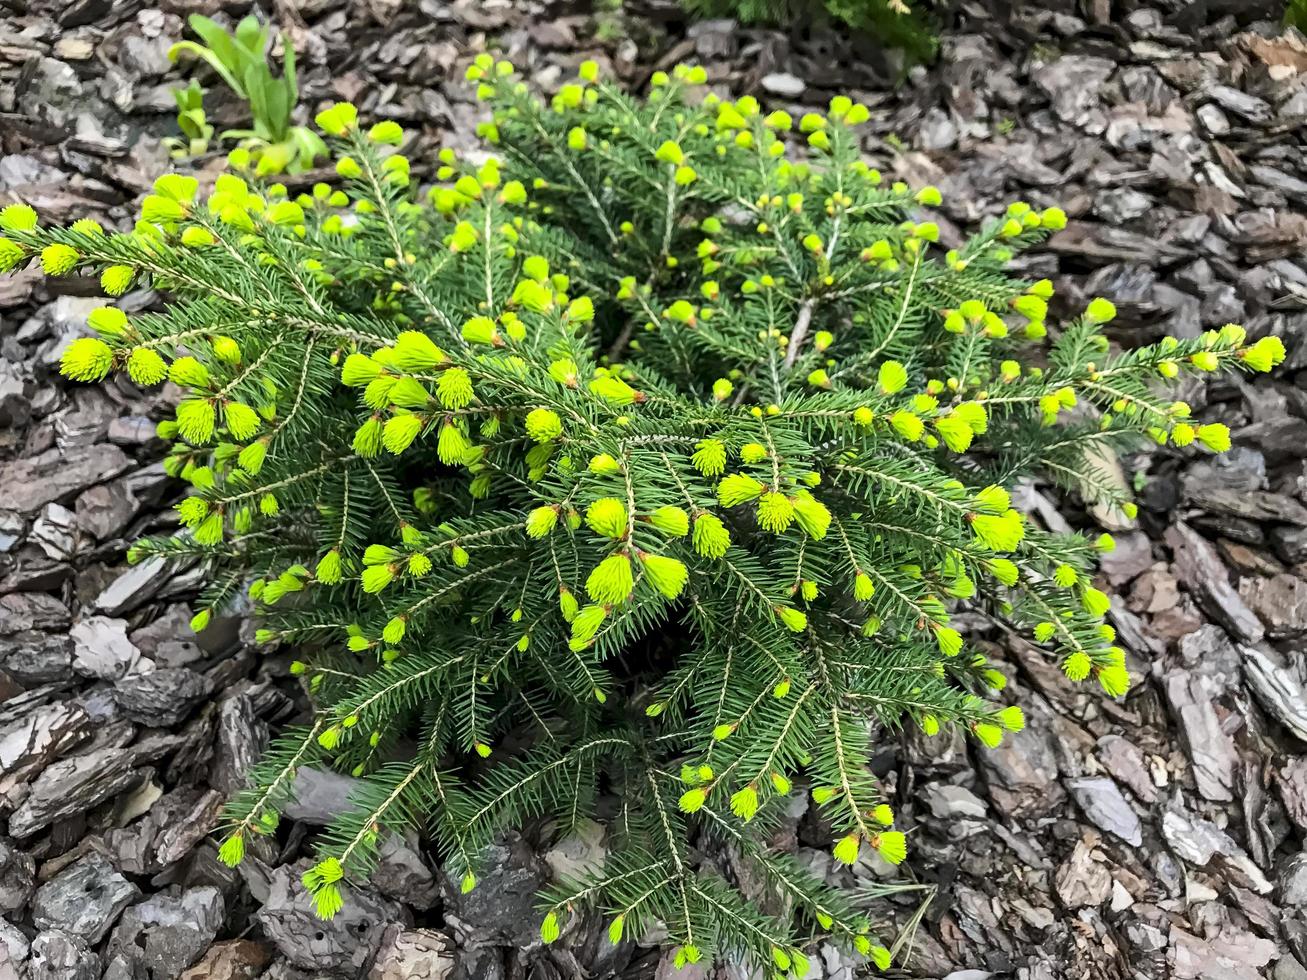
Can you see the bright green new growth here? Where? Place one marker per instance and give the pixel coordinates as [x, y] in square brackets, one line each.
[241, 60]
[652, 449]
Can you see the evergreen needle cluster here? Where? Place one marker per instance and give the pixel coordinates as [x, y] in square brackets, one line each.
[640, 461]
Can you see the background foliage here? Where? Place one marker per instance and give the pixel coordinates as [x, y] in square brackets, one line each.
[893, 23]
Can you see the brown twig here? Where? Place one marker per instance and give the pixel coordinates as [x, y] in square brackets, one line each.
[800, 331]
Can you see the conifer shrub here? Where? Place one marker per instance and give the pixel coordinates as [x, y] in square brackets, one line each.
[633, 469]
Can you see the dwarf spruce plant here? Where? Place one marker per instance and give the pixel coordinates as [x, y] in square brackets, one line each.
[635, 470]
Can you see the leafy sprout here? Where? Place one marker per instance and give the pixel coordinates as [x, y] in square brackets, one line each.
[240, 59]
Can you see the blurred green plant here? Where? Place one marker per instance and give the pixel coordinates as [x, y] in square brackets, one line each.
[192, 121]
[610, 21]
[1295, 14]
[893, 22]
[241, 60]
